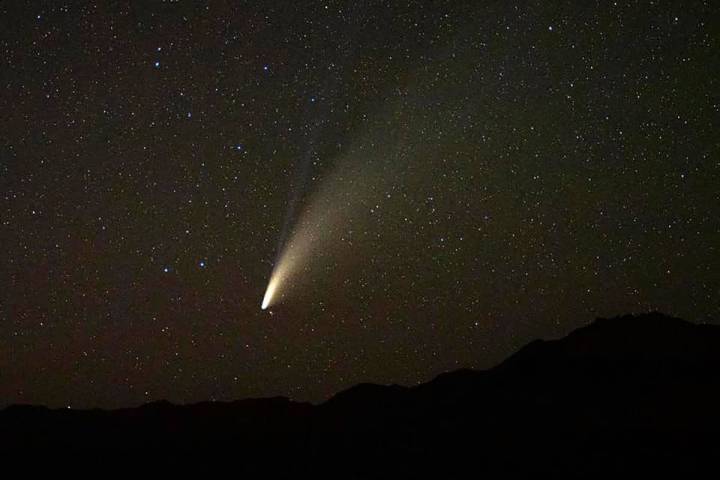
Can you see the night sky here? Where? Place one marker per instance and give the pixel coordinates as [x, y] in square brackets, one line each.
[469, 175]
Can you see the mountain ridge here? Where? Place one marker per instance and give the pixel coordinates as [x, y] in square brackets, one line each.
[652, 319]
[599, 392]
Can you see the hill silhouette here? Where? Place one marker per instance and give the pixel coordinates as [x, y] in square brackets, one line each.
[629, 392]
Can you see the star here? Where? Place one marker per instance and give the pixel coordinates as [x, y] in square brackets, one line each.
[413, 168]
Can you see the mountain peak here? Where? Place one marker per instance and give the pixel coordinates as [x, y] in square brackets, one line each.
[597, 393]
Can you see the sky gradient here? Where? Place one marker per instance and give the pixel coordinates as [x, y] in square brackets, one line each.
[468, 175]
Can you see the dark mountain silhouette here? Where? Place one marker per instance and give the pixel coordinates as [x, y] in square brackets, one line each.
[632, 392]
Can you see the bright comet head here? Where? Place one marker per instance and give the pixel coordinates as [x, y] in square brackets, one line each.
[326, 214]
[284, 267]
[270, 291]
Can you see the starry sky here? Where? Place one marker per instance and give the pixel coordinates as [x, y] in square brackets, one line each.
[499, 171]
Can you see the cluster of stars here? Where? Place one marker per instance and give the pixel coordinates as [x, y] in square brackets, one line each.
[501, 172]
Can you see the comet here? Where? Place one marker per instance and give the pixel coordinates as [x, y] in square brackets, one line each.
[344, 199]
[269, 293]
[299, 250]
[314, 238]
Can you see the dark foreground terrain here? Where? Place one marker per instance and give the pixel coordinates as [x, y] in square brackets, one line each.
[633, 392]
